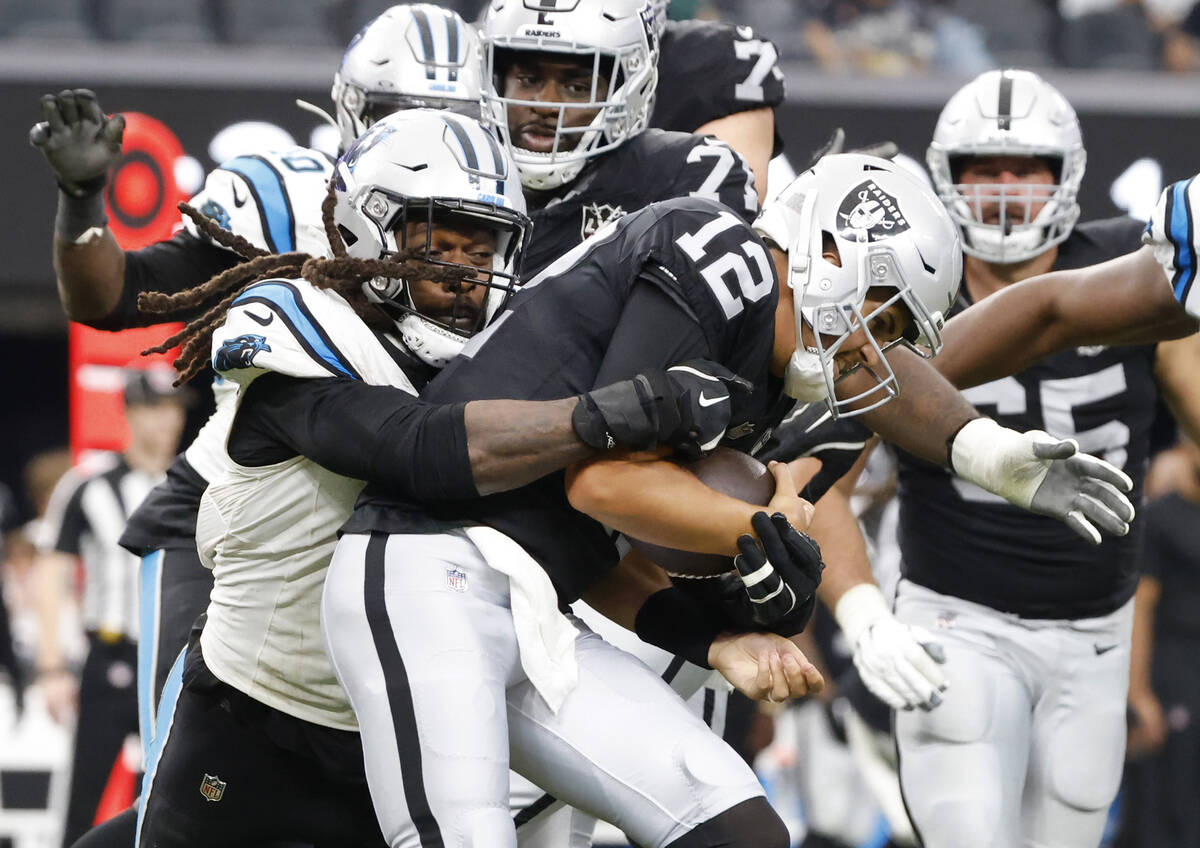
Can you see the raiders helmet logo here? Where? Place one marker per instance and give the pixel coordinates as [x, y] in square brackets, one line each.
[868, 207]
[596, 215]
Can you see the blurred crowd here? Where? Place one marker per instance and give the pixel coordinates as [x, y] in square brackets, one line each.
[872, 37]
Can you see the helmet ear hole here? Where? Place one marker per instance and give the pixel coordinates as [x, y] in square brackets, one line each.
[829, 249]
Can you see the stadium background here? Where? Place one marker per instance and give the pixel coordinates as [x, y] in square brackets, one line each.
[217, 100]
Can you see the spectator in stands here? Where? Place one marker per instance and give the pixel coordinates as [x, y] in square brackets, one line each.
[86, 517]
[1162, 782]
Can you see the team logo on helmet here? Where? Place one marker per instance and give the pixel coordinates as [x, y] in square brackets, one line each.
[212, 788]
[868, 207]
[596, 215]
[214, 210]
[239, 352]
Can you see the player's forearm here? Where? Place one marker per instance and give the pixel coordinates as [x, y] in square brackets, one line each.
[621, 593]
[512, 443]
[928, 412]
[90, 276]
[843, 547]
[659, 502]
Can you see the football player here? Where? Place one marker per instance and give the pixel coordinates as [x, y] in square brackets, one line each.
[569, 90]
[460, 601]
[326, 375]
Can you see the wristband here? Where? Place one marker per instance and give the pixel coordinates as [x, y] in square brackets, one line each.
[859, 608]
[79, 213]
[677, 624]
[621, 414]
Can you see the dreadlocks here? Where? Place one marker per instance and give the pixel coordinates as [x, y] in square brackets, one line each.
[342, 274]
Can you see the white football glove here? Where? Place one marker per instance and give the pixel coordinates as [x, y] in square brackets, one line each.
[1046, 475]
[896, 661]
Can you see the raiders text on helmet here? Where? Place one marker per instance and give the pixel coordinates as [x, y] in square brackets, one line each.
[617, 38]
[445, 170]
[411, 56]
[889, 232]
[1009, 113]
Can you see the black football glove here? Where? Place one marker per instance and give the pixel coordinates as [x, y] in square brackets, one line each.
[777, 577]
[686, 407]
[809, 430]
[79, 140]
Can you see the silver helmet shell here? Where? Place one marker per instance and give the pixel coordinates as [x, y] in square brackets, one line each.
[441, 168]
[413, 55]
[890, 232]
[620, 41]
[1009, 113]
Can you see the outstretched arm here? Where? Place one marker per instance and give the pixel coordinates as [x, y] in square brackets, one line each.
[1123, 301]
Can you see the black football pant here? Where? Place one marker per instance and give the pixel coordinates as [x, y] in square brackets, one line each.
[107, 714]
[234, 772]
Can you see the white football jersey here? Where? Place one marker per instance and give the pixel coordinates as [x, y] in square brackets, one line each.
[1173, 235]
[273, 200]
[268, 532]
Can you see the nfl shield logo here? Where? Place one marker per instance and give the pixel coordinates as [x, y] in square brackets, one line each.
[456, 579]
[212, 787]
[596, 215]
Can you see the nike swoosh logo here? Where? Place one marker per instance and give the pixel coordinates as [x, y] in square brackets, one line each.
[707, 401]
[1103, 649]
[239, 202]
[263, 321]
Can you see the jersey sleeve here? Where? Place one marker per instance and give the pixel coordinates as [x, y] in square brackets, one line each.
[67, 533]
[715, 171]
[710, 70]
[270, 328]
[170, 266]
[1173, 235]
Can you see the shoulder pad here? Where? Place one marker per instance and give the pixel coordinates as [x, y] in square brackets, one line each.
[288, 327]
[271, 199]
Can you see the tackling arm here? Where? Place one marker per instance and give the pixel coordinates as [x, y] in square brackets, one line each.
[1123, 301]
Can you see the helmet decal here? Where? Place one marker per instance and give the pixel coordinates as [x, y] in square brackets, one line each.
[868, 207]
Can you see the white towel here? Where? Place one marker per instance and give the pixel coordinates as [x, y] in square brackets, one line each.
[545, 638]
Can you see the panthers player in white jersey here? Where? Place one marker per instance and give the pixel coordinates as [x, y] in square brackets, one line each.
[325, 373]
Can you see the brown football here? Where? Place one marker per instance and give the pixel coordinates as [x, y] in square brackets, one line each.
[732, 473]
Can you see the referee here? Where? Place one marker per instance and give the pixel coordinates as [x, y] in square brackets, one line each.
[85, 519]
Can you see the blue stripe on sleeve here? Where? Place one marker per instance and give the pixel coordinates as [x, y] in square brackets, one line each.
[283, 299]
[279, 225]
[1181, 233]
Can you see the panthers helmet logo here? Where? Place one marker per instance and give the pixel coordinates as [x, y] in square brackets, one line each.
[239, 352]
[870, 208]
[216, 211]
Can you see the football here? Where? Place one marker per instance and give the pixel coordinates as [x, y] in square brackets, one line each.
[732, 473]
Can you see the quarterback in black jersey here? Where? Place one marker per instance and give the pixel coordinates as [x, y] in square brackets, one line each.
[1034, 625]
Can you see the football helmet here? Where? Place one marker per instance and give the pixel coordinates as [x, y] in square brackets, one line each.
[661, 7]
[411, 56]
[618, 38]
[890, 231]
[443, 169]
[1009, 113]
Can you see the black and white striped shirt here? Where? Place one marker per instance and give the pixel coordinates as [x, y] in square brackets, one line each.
[85, 518]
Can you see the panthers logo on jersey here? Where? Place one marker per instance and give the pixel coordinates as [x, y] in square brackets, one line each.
[868, 207]
[239, 352]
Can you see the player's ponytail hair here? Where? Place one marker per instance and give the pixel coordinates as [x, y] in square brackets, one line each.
[342, 274]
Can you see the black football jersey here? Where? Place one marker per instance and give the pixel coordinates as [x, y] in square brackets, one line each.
[651, 166]
[571, 331]
[708, 70]
[959, 540]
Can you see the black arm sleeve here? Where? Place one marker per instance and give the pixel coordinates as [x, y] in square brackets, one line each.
[374, 433]
[171, 266]
[656, 329]
[73, 525]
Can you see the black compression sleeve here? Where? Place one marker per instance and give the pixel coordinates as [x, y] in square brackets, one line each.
[655, 330]
[375, 433]
[171, 266]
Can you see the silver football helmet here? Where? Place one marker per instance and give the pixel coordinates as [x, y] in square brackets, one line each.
[442, 169]
[411, 56]
[890, 232]
[1009, 113]
[661, 7]
[616, 37]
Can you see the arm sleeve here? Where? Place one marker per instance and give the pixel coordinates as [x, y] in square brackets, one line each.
[375, 433]
[656, 329]
[171, 266]
[72, 526]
